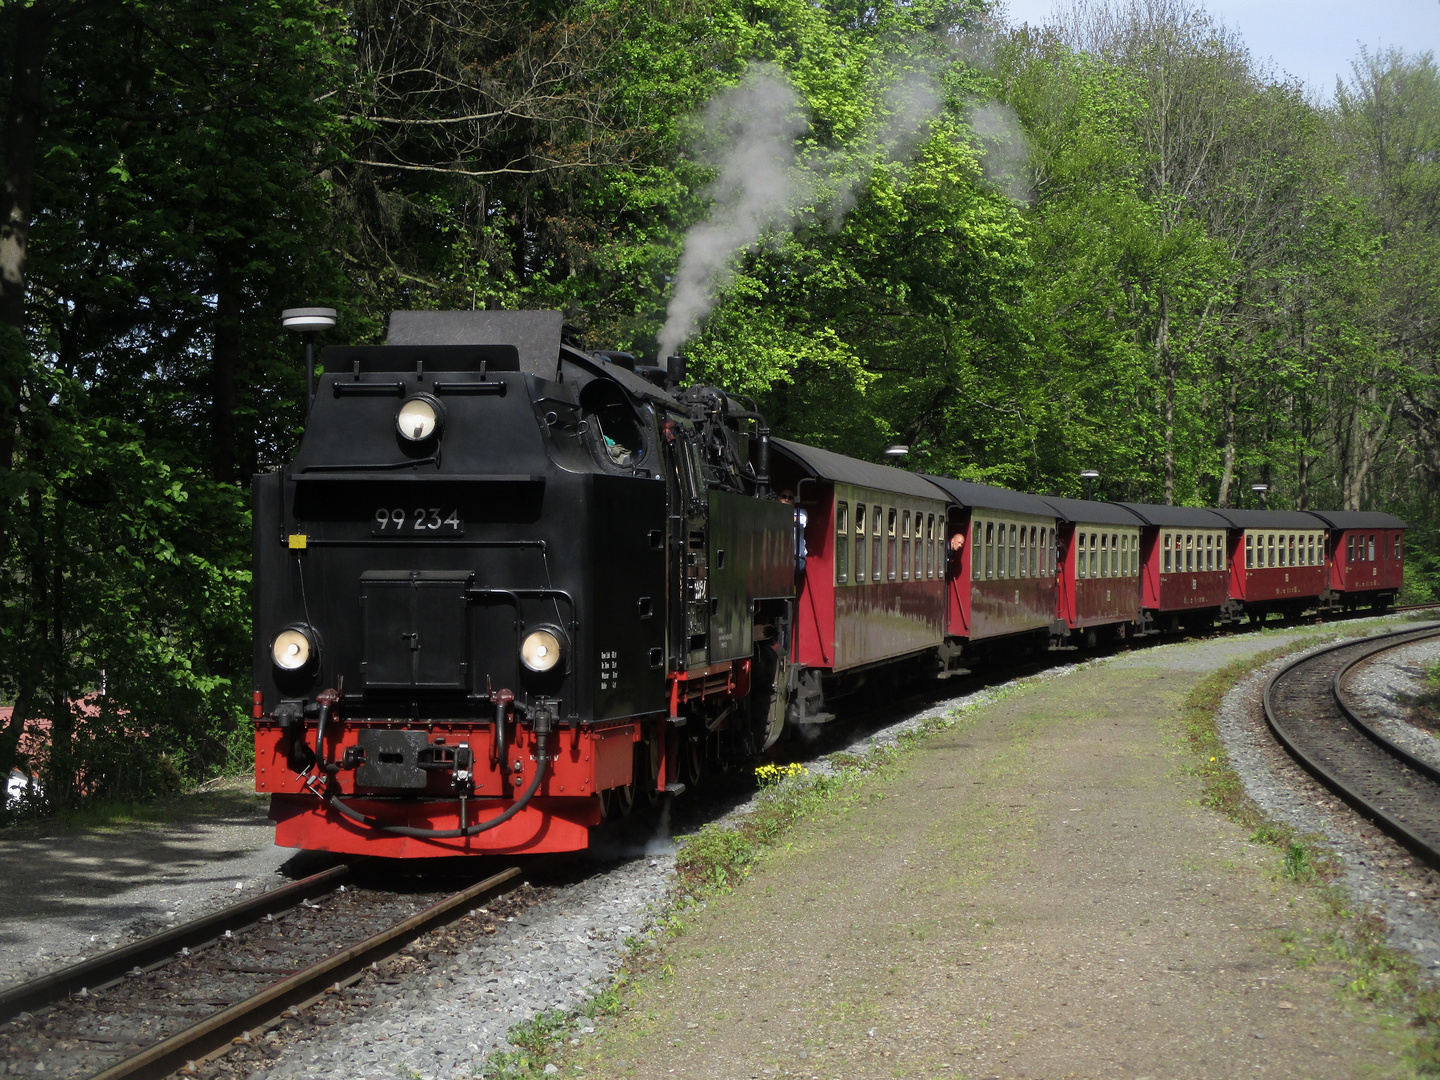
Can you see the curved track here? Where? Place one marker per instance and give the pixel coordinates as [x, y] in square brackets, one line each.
[170, 1005]
[1307, 709]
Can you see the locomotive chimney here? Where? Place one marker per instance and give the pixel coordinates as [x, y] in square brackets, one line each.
[675, 370]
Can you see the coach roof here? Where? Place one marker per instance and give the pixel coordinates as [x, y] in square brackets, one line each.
[1176, 517]
[1358, 519]
[1268, 519]
[826, 465]
[1083, 511]
[985, 497]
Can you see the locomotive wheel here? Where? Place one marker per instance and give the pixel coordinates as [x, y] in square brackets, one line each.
[647, 768]
[622, 799]
[692, 760]
[768, 698]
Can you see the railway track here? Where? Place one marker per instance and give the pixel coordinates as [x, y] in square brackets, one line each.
[1309, 712]
[146, 1010]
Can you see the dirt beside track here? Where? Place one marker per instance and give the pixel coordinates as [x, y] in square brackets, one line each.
[72, 893]
[1034, 893]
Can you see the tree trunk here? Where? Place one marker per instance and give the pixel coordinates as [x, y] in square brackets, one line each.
[33, 25]
[1167, 365]
[1232, 399]
[225, 366]
[62, 779]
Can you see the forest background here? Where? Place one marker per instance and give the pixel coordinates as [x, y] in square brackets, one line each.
[1117, 243]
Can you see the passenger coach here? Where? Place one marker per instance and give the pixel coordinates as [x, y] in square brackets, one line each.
[1098, 586]
[1366, 556]
[1277, 561]
[1002, 578]
[872, 590]
[1184, 579]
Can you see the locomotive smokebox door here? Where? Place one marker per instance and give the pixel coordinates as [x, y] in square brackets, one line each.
[415, 629]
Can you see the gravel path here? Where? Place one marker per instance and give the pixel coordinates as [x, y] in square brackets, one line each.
[1379, 873]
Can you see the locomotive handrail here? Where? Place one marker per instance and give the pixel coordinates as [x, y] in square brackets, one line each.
[355, 474]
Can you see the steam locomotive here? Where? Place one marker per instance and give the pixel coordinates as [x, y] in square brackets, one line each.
[508, 587]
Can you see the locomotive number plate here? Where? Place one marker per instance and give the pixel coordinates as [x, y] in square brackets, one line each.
[416, 521]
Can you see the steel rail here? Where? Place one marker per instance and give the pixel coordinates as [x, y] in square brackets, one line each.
[1319, 729]
[214, 1032]
[109, 966]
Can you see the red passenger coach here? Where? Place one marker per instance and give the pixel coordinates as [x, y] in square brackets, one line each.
[1002, 580]
[1184, 577]
[1367, 556]
[1098, 589]
[1277, 560]
[873, 588]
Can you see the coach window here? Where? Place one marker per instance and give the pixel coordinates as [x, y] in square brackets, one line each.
[892, 553]
[842, 543]
[1249, 550]
[1397, 547]
[989, 550]
[1350, 549]
[875, 563]
[976, 558]
[1372, 547]
[1013, 567]
[905, 546]
[1104, 556]
[859, 543]
[1220, 552]
[1165, 544]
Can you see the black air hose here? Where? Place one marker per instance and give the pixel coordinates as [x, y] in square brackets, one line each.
[541, 746]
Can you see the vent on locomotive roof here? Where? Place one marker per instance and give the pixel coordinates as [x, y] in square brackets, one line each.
[534, 334]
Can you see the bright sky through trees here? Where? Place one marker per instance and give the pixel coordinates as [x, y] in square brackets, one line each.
[1314, 40]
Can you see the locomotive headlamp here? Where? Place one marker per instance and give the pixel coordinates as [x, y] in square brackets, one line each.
[292, 649]
[540, 651]
[419, 418]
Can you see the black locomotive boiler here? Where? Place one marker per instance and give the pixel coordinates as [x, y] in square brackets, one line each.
[506, 587]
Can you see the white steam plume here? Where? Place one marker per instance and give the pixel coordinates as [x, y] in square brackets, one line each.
[753, 128]
[1007, 150]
